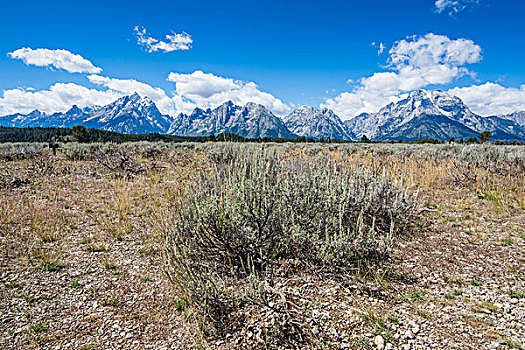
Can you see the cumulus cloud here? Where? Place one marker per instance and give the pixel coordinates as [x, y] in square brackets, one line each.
[418, 52]
[61, 96]
[174, 42]
[207, 90]
[58, 98]
[491, 98]
[414, 63]
[453, 6]
[59, 59]
[197, 89]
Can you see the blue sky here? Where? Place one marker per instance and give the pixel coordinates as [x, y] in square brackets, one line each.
[279, 53]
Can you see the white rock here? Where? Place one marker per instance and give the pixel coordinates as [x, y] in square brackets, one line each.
[379, 342]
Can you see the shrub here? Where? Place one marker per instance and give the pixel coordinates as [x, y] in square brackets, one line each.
[20, 151]
[256, 207]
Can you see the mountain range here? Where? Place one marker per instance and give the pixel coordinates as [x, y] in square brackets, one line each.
[434, 114]
[251, 121]
[315, 123]
[421, 114]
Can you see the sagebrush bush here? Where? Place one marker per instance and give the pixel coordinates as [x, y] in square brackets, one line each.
[17, 151]
[256, 207]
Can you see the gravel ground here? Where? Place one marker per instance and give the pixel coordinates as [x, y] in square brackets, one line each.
[457, 282]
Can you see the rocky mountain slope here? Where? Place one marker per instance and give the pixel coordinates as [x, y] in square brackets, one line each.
[431, 114]
[516, 117]
[129, 114]
[315, 123]
[421, 114]
[252, 121]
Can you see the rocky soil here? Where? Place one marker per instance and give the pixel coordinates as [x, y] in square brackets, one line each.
[94, 278]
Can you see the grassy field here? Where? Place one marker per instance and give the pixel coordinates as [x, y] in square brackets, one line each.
[262, 246]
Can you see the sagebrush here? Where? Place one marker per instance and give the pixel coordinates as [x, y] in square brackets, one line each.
[255, 208]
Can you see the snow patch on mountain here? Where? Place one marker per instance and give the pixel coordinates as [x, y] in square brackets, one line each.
[317, 123]
[429, 114]
[129, 114]
[420, 114]
[252, 121]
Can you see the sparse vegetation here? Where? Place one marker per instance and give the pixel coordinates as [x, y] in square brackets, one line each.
[449, 296]
[517, 295]
[53, 266]
[252, 210]
[292, 245]
[96, 248]
[38, 327]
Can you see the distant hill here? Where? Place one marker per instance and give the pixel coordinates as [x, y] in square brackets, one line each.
[516, 117]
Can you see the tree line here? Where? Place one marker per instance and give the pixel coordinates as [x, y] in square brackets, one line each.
[84, 135]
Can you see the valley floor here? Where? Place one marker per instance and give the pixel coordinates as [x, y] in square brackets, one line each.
[82, 260]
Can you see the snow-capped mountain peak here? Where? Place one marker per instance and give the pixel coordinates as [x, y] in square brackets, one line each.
[74, 109]
[428, 114]
[315, 123]
[252, 121]
[517, 117]
[129, 114]
[419, 114]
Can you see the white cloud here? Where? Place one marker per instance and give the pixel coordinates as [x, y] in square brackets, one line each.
[380, 48]
[414, 63]
[432, 49]
[200, 85]
[59, 59]
[59, 98]
[492, 99]
[453, 6]
[173, 42]
[197, 89]
[207, 90]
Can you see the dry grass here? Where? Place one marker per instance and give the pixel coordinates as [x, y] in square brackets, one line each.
[75, 232]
